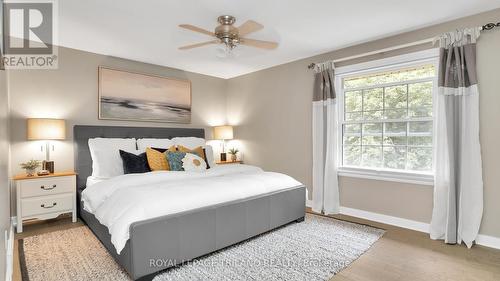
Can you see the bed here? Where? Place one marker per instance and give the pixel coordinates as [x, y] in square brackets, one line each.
[163, 241]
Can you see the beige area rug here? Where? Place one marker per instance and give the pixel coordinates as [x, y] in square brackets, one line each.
[315, 249]
[71, 254]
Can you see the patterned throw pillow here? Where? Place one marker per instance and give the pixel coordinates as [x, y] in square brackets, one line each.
[175, 160]
[193, 162]
[157, 160]
[200, 151]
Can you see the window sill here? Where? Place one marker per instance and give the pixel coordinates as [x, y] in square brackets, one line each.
[387, 175]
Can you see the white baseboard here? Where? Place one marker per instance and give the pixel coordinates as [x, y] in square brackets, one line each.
[488, 241]
[483, 240]
[10, 254]
[396, 221]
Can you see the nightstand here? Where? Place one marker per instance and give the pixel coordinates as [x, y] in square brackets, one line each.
[228, 162]
[45, 197]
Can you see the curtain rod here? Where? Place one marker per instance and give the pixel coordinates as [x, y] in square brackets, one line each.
[428, 40]
[488, 26]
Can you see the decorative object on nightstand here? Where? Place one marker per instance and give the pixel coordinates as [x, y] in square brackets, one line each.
[223, 133]
[234, 154]
[30, 167]
[45, 197]
[47, 130]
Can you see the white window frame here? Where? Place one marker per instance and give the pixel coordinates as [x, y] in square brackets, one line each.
[430, 56]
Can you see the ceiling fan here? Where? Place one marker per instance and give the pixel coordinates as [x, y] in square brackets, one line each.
[229, 35]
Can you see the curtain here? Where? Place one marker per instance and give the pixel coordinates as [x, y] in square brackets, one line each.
[458, 183]
[325, 194]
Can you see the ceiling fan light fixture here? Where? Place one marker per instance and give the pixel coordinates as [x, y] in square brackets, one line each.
[224, 51]
[230, 42]
[230, 36]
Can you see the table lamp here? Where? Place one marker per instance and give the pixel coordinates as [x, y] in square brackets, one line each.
[223, 133]
[47, 130]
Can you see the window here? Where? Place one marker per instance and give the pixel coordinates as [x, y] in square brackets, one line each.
[386, 118]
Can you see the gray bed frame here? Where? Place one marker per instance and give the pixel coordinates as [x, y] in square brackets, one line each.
[159, 243]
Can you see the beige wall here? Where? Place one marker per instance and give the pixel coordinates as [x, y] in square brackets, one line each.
[70, 92]
[272, 109]
[4, 168]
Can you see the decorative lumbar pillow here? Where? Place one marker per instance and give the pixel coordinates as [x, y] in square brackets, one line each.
[175, 160]
[157, 160]
[193, 162]
[193, 142]
[200, 151]
[134, 163]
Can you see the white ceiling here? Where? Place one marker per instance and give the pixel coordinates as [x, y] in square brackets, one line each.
[147, 30]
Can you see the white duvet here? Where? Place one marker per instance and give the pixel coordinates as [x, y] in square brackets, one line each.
[123, 200]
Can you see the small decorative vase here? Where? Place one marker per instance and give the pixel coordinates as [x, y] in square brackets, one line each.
[30, 172]
[233, 157]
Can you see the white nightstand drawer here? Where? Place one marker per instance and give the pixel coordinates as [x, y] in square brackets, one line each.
[45, 197]
[48, 204]
[47, 186]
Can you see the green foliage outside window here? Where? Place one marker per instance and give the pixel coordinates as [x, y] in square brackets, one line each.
[388, 119]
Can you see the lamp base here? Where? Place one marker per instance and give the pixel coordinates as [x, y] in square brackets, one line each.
[48, 165]
[223, 157]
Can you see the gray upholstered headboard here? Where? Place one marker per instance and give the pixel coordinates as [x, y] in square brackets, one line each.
[81, 135]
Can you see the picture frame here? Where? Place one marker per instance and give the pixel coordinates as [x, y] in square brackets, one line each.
[132, 96]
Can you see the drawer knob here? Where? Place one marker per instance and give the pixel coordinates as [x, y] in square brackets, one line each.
[48, 188]
[48, 207]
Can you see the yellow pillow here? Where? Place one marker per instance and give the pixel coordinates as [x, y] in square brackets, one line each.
[157, 160]
[198, 151]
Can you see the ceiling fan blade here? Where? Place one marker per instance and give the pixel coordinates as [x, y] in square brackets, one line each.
[198, 45]
[259, 43]
[249, 27]
[196, 29]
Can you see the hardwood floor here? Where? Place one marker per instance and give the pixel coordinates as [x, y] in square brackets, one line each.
[403, 254]
[400, 254]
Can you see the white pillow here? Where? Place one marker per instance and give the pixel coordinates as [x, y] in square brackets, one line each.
[142, 144]
[105, 153]
[189, 142]
[192, 162]
[209, 152]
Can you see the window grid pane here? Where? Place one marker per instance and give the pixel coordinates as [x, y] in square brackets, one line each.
[392, 77]
[389, 126]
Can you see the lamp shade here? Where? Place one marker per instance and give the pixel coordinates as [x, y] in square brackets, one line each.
[46, 129]
[223, 132]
